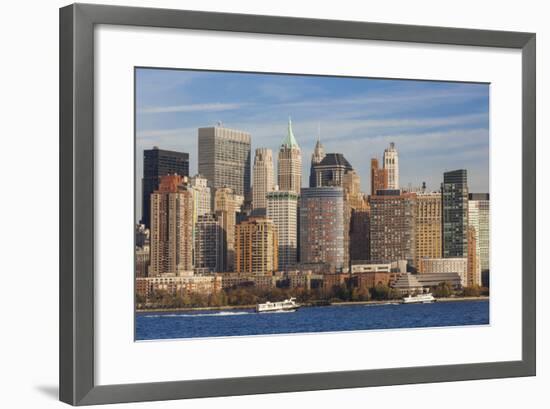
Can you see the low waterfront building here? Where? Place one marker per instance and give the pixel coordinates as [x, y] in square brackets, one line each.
[371, 267]
[234, 280]
[408, 284]
[435, 279]
[457, 265]
[178, 284]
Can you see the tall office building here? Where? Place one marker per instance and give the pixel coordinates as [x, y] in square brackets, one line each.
[392, 226]
[378, 177]
[316, 157]
[289, 163]
[208, 244]
[478, 217]
[226, 206]
[224, 158]
[202, 195]
[391, 164]
[172, 227]
[256, 246]
[330, 171]
[427, 227]
[262, 180]
[157, 163]
[282, 209]
[454, 199]
[322, 226]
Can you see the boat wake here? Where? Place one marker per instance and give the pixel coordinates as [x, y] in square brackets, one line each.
[200, 315]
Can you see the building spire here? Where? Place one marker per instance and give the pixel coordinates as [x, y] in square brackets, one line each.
[290, 140]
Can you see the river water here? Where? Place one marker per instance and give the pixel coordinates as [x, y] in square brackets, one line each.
[222, 323]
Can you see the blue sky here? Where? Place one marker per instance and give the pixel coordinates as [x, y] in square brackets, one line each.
[436, 126]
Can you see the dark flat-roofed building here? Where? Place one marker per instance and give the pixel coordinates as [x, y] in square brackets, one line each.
[157, 163]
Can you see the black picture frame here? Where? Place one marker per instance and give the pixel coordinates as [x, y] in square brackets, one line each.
[77, 385]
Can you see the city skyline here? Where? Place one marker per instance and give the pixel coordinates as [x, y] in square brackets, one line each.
[436, 126]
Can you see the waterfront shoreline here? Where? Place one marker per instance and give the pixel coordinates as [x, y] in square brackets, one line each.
[306, 305]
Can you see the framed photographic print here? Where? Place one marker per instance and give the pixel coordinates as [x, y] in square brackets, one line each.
[245, 197]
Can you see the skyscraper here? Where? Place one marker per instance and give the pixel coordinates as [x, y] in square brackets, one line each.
[392, 227]
[256, 246]
[289, 164]
[282, 208]
[172, 227]
[157, 163]
[262, 180]
[378, 177]
[226, 206]
[478, 217]
[322, 226]
[316, 157]
[427, 227]
[224, 158]
[208, 244]
[391, 164]
[454, 191]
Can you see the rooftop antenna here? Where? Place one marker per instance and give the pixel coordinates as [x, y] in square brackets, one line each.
[319, 132]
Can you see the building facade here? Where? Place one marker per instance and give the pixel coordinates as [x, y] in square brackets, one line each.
[316, 157]
[330, 171]
[479, 218]
[454, 199]
[208, 249]
[256, 247]
[457, 265]
[262, 180]
[224, 158]
[202, 195]
[378, 177]
[172, 227]
[391, 164]
[282, 209]
[427, 227]
[226, 206]
[392, 227]
[289, 164]
[474, 267]
[322, 226]
[157, 163]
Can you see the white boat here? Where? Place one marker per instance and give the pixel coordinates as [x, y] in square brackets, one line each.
[419, 299]
[286, 305]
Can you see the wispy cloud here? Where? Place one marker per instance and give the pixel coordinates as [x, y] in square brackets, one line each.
[212, 107]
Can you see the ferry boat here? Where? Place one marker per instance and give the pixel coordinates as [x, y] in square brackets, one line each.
[286, 305]
[419, 299]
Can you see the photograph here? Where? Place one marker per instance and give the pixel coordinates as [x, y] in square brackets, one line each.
[284, 203]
